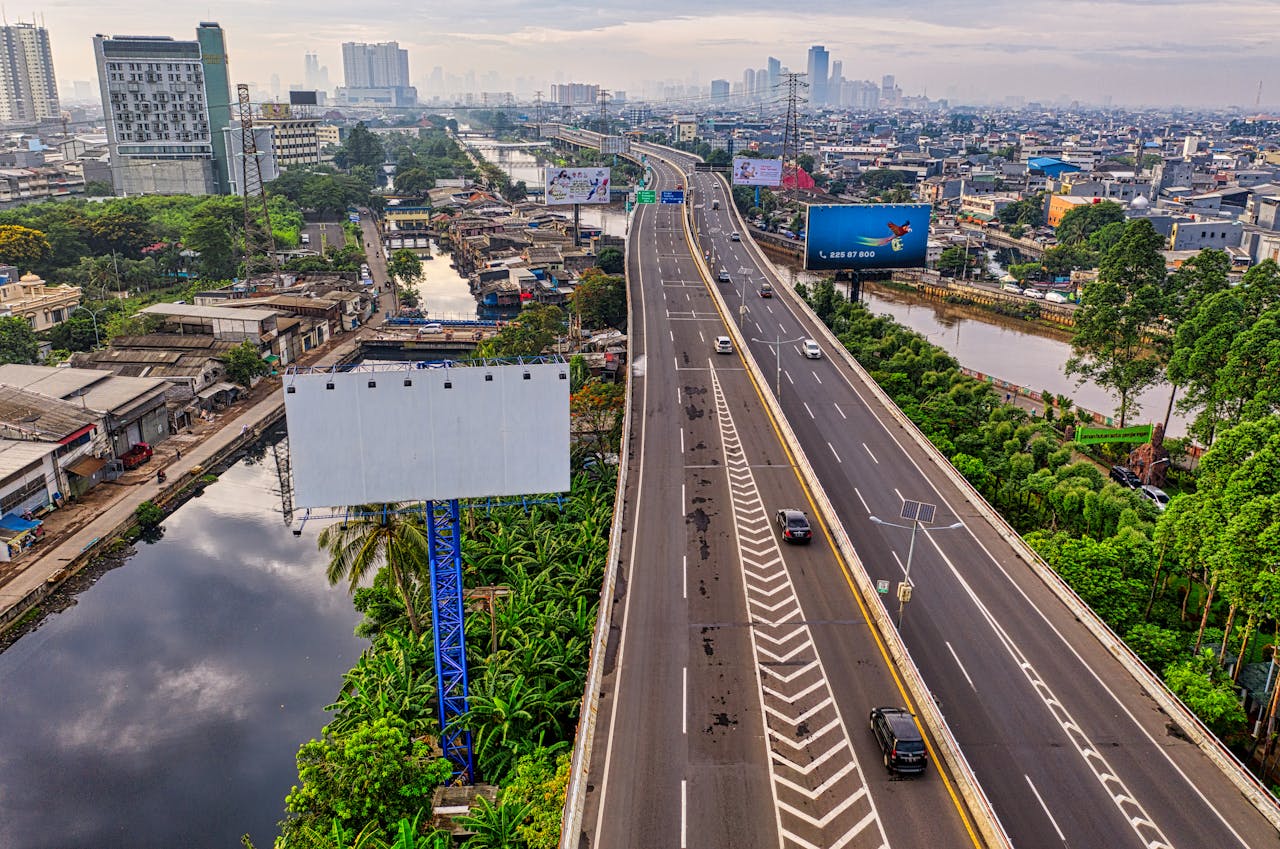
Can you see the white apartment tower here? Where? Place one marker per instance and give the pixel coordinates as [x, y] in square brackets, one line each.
[28, 90]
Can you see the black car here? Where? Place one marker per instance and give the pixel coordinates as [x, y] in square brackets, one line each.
[1125, 476]
[794, 525]
[899, 738]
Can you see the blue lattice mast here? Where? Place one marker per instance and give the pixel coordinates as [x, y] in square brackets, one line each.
[444, 539]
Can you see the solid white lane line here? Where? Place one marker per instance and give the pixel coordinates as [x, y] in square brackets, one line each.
[807, 410]
[815, 377]
[833, 451]
[838, 410]
[684, 576]
[873, 457]
[683, 819]
[1040, 799]
[863, 500]
[966, 674]
[684, 700]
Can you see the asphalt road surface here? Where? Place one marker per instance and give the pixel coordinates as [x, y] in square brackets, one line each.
[741, 669]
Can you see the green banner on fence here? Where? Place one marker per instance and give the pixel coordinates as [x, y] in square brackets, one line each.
[1095, 435]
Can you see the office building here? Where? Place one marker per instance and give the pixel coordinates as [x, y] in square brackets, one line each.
[376, 75]
[295, 135]
[720, 90]
[774, 67]
[28, 91]
[165, 104]
[575, 94]
[315, 76]
[818, 59]
[265, 141]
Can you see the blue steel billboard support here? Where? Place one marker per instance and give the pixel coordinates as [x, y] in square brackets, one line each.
[444, 539]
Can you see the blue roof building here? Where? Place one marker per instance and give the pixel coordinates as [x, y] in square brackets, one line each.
[1051, 167]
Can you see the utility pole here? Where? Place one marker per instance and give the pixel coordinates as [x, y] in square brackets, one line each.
[791, 135]
[259, 243]
[537, 111]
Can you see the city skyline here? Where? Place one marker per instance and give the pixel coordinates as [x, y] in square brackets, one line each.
[1143, 52]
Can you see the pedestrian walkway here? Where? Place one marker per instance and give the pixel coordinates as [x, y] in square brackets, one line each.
[108, 509]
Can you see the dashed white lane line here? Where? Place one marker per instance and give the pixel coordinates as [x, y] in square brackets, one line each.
[815, 377]
[873, 457]
[684, 576]
[684, 700]
[789, 378]
[1039, 799]
[838, 410]
[833, 451]
[807, 410]
[684, 830]
[681, 440]
[863, 500]
[963, 670]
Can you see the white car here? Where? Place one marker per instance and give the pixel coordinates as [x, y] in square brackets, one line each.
[811, 349]
[735, 236]
[433, 327]
[1033, 294]
[1055, 297]
[723, 276]
[724, 345]
[1012, 289]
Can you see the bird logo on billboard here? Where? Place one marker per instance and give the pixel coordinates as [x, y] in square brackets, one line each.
[894, 241]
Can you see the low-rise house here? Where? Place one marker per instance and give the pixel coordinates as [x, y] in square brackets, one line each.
[43, 306]
[30, 485]
[77, 433]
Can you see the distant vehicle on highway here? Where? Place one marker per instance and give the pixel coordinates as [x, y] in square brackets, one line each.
[794, 525]
[1011, 289]
[895, 730]
[306, 238]
[735, 236]
[766, 290]
[715, 204]
[1055, 297]
[724, 345]
[811, 349]
[723, 276]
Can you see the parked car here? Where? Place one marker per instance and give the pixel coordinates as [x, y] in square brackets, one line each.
[1125, 476]
[433, 327]
[794, 525]
[895, 730]
[136, 456]
[766, 290]
[811, 349]
[1055, 297]
[1012, 289]
[1157, 496]
[1033, 294]
[735, 236]
[724, 345]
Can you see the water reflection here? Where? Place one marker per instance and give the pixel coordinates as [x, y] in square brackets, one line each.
[165, 708]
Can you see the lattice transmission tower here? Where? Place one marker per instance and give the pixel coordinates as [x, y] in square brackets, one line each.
[259, 243]
[791, 135]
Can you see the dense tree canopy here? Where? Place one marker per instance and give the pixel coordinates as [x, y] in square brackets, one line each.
[1081, 222]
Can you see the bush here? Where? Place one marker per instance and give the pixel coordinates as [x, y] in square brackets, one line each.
[149, 514]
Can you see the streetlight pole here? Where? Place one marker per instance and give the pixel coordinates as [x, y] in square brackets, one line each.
[93, 315]
[917, 513]
[777, 358]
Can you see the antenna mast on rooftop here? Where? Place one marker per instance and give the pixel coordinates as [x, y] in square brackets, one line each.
[259, 243]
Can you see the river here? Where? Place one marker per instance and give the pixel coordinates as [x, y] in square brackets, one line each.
[166, 707]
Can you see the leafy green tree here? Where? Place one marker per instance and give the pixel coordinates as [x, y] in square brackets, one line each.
[405, 266]
[600, 300]
[1103, 239]
[120, 231]
[1207, 691]
[1028, 212]
[373, 776]
[954, 261]
[413, 182]
[883, 179]
[22, 246]
[529, 335]
[374, 537]
[495, 826]
[361, 147]
[1061, 260]
[76, 333]
[98, 189]
[1081, 222]
[244, 363]
[611, 260]
[18, 342]
[1116, 311]
[210, 234]
[538, 783]
[1158, 647]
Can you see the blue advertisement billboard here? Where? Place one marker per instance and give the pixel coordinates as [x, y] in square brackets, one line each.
[861, 236]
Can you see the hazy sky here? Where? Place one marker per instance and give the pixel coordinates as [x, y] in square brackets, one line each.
[1195, 52]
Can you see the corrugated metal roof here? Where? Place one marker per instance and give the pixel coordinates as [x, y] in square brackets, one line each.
[41, 416]
[17, 454]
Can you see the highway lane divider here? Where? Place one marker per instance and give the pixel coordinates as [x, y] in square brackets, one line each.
[1190, 724]
[975, 800]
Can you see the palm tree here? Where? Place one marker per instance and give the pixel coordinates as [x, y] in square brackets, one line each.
[378, 535]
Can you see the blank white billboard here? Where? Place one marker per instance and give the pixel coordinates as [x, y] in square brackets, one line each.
[757, 172]
[575, 185]
[389, 434]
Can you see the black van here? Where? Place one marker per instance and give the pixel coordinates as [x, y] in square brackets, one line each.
[900, 741]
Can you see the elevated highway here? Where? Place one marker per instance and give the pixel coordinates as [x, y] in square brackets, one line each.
[739, 670]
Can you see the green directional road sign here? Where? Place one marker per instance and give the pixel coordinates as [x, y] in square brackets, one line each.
[647, 196]
[1094, 435]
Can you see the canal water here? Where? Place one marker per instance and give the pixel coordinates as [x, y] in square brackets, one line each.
[165, 708]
